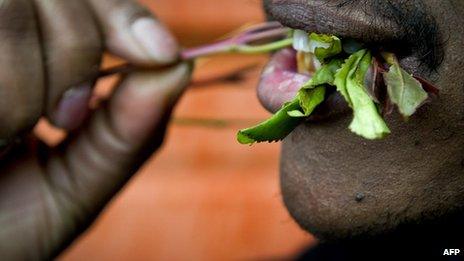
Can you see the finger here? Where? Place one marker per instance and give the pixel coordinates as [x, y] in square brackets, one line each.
[133, 33]
[72, 48]
[116, 141]
[21, 74]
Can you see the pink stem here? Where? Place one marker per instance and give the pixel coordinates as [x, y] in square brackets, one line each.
[264, 35]
[189, 54]
[261, 32]
[192, 53]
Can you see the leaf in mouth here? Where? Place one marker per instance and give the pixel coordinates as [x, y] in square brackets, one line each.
[349, 80]
[309, 99]
[324, 46]
[275, 128]
[325, 75]
[282, 123]
[404, 91]
[349, 77]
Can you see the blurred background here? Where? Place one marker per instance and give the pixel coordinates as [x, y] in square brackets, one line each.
[203, 197]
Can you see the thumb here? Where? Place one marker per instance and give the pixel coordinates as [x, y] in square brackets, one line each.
[133, 33]
[117, 139]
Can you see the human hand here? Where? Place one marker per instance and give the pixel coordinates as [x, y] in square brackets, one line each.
[50, 56]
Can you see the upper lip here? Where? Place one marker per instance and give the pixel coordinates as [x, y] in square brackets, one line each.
[417, 43]
[333, 17]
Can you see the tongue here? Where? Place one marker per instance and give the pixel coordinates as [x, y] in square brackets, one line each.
[280, 82]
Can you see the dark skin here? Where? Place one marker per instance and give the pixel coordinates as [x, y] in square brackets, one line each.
[51, 51]
[339, 186]
[334, 184]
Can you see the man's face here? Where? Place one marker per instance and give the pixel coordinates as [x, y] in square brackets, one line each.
[336, 184]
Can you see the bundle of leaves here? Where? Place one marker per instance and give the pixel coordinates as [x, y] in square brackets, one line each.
[372, 84]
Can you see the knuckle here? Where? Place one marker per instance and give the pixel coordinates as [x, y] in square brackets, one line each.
[78, 45]
[76, 48]
[20, 90]
[77, 36]
[16, 18]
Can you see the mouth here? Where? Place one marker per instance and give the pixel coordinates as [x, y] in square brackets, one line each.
[280, 81]
[281, 78]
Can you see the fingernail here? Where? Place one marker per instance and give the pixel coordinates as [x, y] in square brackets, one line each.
[155, 39]
[73, 108]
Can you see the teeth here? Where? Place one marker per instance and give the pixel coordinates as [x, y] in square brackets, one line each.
[317, 64]
[301, 41]
[306, 60]
[307, 63]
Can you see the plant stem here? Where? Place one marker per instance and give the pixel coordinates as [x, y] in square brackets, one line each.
[259, 49]
[248, 41]
[191, 54]
[231, 45]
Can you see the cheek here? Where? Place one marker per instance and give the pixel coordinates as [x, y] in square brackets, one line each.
[449, 16]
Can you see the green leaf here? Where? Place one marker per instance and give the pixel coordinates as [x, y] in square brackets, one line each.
[309, 100]
[296, 114]
[324, 46]
[274, 129]
[258, 49]
[349, 80]
[404, 91]
[325, 75]
[345, 72]
[286, 119]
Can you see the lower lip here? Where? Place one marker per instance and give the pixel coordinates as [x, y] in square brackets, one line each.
[280, 83]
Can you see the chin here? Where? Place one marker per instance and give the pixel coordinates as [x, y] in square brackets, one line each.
[337, 186]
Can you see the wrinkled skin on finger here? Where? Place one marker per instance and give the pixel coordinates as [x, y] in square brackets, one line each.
[22, 87]
[51, 53]
[337, 185]
[50, 50]
[50, 59]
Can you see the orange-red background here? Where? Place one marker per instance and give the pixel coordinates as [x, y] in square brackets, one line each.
[203, 197]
